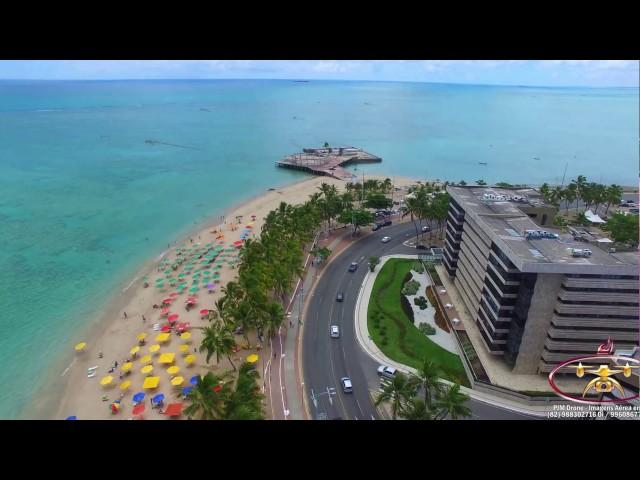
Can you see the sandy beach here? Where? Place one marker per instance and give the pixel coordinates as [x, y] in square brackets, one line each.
[75, 393]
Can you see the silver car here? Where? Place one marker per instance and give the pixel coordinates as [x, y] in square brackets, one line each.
[388, 372]
[335, 331]
[346, 385]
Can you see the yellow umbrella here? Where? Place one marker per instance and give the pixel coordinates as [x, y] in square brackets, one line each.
[141, 336]
[173, 370]
[253, 358]
[127, 366]
[81, 346]
[184, 348]
[154, 348]
[146, 359]
[147, 369]
[190, 359]
[177, 381]
[163, 337]
[150, 382]
[166, 358]
[185, 336]
[134, 350]
[106, 380]
[124, 385]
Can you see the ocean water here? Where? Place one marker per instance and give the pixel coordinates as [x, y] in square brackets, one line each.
[84, 201]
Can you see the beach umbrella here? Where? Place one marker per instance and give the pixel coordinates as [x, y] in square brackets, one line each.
[134, 350]
[127, 366]
[204, 311]
[172, 318]
[185, 336]
[141, 336]
[150, 383]
[164, 312]
[173, 370]
[166, 358]
[80, 346]
[115, 407]
[125, 385]
[163, 337]
[138, 397]
[184, 348]
[138, 409]
[145, 359]
[72, 417]
[194, 380]
[186, 391]
[154, 348]
[168, 271]
[167, 301]
[253, 358]
[177, 381]
[174, 410]
[183, 326]
[147, 369]
[211, 286]
[165, 328]
[190, 359]
[158, 398]
[106, 380]
[193, 289]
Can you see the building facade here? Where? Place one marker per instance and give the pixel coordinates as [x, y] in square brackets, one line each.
[533, 300]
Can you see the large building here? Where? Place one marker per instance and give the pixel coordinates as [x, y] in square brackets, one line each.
[534, 299]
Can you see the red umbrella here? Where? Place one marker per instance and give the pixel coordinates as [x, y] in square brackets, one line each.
[248, 226]
[173, 318]
[191, 301]
[164, 312]
[237, 243]
[217, 388]
[167, 300]
[173, 410]
[138, 409]
[174, 294]
[165, 328]
[183, 326]
[204, 311]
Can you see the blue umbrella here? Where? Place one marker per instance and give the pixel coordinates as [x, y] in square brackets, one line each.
[138, 397]
[158, 398]
[186, 391]
[194, 380]
[72, 417]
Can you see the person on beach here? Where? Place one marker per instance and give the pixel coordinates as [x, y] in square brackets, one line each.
[143, 319]
[125, 314]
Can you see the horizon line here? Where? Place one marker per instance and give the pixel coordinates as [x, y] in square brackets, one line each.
[310, 80]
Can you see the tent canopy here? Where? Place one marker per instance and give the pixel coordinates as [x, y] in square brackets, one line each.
[592, 217]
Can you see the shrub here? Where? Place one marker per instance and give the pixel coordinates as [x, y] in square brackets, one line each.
[427, 329]
[411, 287]
[421, 302]
[406, 307]
[417, 267]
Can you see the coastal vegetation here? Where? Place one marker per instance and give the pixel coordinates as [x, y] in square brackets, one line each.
[579, 190]
[436, 401]
[393, 331]
[623, 228]
[373, 262]
[424, 203]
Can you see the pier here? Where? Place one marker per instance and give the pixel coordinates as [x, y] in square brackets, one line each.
[328, 161]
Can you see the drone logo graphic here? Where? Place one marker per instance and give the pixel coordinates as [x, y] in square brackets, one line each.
[605, 367]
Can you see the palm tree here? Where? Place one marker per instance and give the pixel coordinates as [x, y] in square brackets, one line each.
[428, 376]
[480, 182]
[569, 194]
[245, 402]
[398, 392]
[274, 317]
[452, 403]
[204, 402]
[243, 316]
[416, 409]
[218, 339]
[613, 195]
[580, 183]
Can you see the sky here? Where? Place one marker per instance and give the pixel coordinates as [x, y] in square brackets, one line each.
[568, 73]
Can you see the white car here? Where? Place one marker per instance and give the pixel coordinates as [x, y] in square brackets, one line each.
[386, 239]
[347, 387]
[388, 372]
[335, 331]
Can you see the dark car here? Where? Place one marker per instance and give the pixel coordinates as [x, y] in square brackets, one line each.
[353, 267]
[387, 223]
[421, 247]
[375, 227]
[340, 297]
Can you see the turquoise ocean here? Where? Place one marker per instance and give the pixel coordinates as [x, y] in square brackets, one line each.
[84, 201]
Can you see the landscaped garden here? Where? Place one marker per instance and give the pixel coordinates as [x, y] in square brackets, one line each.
[393, 331]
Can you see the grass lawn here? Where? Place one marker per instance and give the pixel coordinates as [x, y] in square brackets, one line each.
[404, 342]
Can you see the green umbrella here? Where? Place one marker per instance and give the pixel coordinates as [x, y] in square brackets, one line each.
[193, 289]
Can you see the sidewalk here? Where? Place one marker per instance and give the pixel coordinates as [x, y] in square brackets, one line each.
[367, 344]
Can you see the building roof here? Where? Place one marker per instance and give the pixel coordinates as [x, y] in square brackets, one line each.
[501, 218]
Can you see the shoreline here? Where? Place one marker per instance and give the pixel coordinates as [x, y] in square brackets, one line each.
[62, 394]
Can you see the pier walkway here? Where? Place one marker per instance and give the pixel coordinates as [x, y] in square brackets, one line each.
[328, 161]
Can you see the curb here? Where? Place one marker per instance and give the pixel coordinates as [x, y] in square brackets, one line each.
[362, 328]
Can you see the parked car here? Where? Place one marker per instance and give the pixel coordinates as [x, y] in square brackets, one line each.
[347, 387]
[387, 223]
[335, 331]
[386, 239]
[388, 372]
[426, 228]
[421, 247]
[375, 227]
[353, 267]
[340, 297]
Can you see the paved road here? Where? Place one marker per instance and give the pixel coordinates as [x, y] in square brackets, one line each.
[326, 360]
